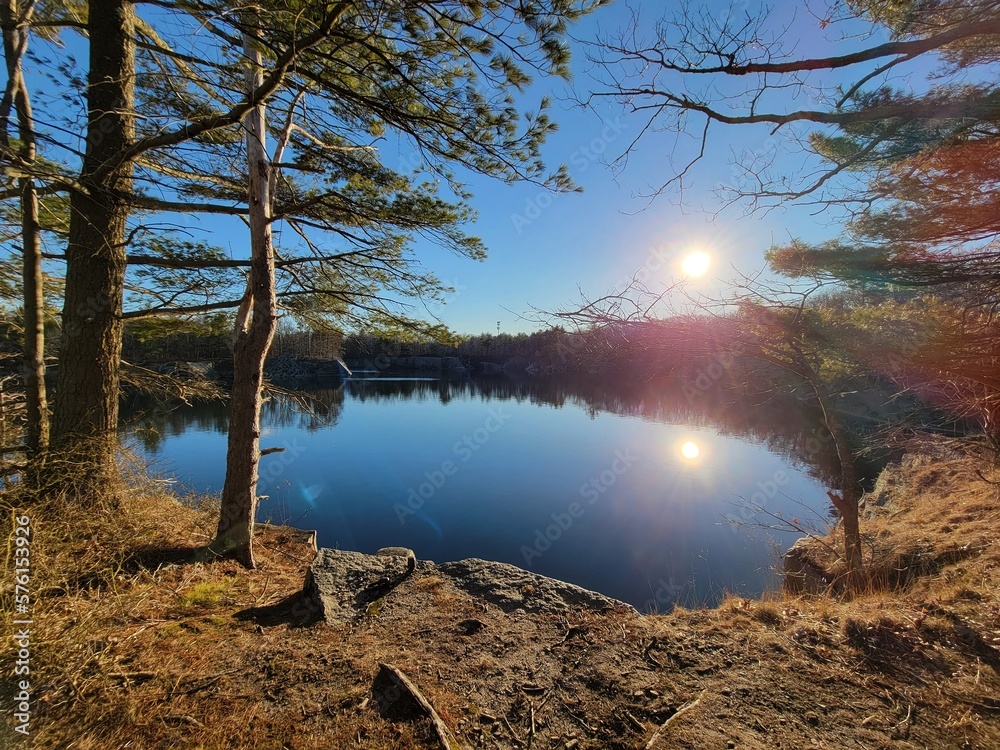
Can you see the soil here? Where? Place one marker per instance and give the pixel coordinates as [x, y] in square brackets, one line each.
[170, 653]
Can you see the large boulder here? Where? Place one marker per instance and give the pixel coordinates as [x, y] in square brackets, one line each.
[452, 364]
[344, 584]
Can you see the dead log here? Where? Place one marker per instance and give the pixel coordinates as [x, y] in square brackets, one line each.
[395, 695]
[680, 712]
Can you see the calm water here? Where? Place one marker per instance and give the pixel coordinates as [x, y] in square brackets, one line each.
[630, 491]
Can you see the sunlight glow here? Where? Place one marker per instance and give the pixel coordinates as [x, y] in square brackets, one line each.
[695, 264]
[690, 450]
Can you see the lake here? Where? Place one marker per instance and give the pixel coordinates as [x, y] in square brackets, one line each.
[638, 491]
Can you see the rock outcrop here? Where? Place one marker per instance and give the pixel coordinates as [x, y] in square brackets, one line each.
[510, 588]
[345, 585]
[289, 368]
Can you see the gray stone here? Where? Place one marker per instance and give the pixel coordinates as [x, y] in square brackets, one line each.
[404, 552]
[343, 584]
[511, 588]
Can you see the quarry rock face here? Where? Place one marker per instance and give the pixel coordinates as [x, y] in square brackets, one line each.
[345, 585]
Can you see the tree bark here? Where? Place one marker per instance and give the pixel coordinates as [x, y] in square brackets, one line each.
[85, 418]
[253, 333]
[848, 500]
[36, 397]
[15, 43]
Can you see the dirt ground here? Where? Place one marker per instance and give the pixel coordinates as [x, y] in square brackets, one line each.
[168, 653]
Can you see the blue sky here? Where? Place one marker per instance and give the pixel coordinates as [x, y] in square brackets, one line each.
[546, 249]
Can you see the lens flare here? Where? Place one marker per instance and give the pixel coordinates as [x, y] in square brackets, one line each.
[695, 264]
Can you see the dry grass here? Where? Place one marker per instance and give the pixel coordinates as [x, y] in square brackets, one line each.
[137, 644]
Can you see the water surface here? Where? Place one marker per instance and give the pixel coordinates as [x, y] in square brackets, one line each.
[630, 490]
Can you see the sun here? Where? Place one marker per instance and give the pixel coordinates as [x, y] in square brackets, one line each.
[690, 450]
[695, 264]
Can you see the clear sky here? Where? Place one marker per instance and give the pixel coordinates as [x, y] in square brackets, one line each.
[545, 249]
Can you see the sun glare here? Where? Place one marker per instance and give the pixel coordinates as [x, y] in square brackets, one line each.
[690, 450]
[695, 264]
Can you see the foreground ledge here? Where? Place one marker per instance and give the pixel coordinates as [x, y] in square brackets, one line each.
[345, 585]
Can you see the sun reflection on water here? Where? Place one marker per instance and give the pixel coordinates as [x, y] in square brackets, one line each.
[690, 450]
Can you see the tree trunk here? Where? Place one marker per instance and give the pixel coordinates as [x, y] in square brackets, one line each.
[252, 339]
[85, 418]
[15, 43]
[848, 500]
[36, 401]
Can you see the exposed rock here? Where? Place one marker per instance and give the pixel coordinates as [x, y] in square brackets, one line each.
[510, 588]
[285, 367]
[802, 574]
[404, 552]
[185, 370]
[345, 585]
[289, 368]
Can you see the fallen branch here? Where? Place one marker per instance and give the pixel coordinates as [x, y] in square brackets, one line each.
[387, 670]
[680, 712]
[513, 734]
[132, 676]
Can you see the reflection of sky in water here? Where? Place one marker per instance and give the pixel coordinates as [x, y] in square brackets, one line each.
[629, 506]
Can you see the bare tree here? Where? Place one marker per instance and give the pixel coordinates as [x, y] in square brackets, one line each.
[16, 19]
[256, 323]
[701, 69]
